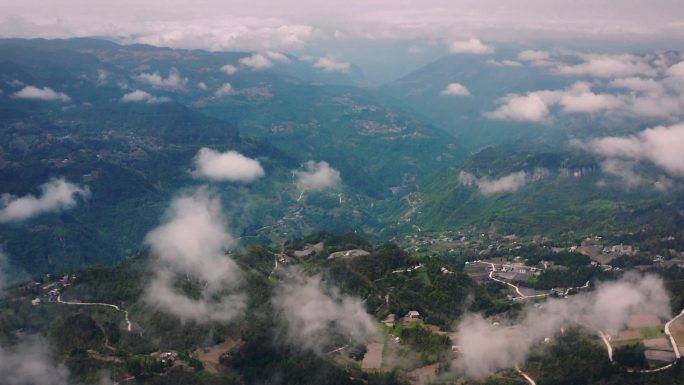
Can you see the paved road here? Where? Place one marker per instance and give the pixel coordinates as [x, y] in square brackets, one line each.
[525, 376]
[128, 322]
[516, 288]
[670, 337]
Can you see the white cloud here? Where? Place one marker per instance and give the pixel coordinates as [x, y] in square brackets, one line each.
[470, 46]
[638, 84]
[29, 362]
[277, 56]
[660, 145]
[677, 70]
[317, 176]
[504, 63]
[269, 25]
[56, 195]
[506, 184]
[485, 349]
[314, 315]
[608, 66]
[536, 106]
[142, 96]
[225, 90]
[227, 166]
[173, 82]
[455, 89]
[202, 86]
[523, 108]
[531, 55]
[329, 64]
[256, 61]
[588, 102]
[229, 69]
[190, 245]
[624, 171]
[45, 93]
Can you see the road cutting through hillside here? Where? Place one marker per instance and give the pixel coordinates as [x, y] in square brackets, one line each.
[129, 327]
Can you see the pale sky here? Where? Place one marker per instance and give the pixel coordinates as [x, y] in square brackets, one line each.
[293, 25]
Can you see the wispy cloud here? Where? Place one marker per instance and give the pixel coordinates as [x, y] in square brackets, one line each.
[314, 314]
[189, 245]
[505, 184]
[56, 195]
[485, 349]
[30, 362]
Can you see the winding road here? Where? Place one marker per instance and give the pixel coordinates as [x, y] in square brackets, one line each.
[522, 296]
[129, 327]
[670, 337]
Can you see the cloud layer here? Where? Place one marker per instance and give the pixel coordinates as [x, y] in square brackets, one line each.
[227, 166]
[485, 349]
[189, 245]
[56, 195]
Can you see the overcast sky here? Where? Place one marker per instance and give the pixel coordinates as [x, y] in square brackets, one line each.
[294, 25]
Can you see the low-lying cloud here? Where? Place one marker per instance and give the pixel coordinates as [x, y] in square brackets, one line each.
[471, 46]
[314, 314]
[56, 195]
[225, 90]
[30, 362]
[140, 96]
[455, 89]
[227, 166]
[256, 62]
[190, 245]
[536, 106]
[317, 176]
[506, 184]
[173, 82]
[260, 61]
[485, 348]
[44, 93]
[608, 66]
[229, 69]
[330, 64]
[660, 146]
